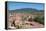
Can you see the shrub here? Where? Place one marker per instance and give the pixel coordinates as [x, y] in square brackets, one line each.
[39, 19]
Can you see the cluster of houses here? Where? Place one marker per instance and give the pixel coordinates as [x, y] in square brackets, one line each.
[16, 19]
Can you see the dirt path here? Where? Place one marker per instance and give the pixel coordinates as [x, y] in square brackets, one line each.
[36, 25]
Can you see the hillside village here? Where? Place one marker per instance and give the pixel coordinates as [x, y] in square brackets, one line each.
[22, 21]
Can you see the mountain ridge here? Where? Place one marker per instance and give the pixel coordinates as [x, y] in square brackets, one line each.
[26, 10]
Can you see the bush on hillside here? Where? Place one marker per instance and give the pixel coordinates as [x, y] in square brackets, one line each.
[39, 19]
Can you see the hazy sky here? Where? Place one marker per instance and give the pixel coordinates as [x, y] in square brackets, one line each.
[17, 5]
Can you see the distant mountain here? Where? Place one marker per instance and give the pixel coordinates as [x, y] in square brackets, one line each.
[26, 10]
